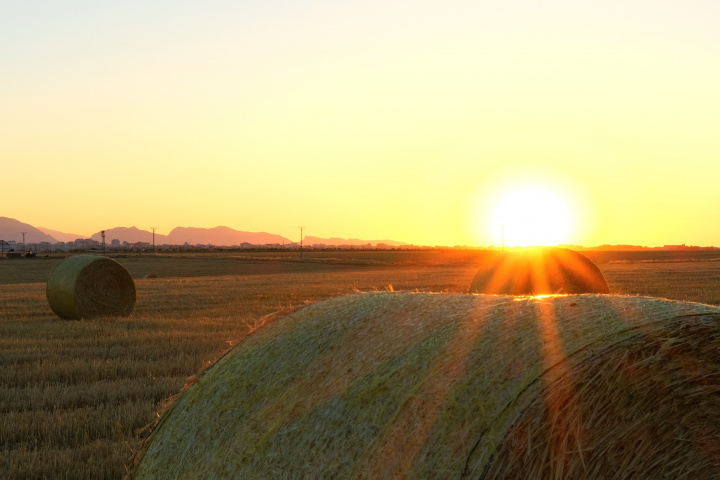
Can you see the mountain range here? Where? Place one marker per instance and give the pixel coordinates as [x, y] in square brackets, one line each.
[61, 236]
[192, 236]
[10, 229]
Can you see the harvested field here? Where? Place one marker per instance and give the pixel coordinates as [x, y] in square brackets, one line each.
[692, 281]
[74, 395]
[38, 269]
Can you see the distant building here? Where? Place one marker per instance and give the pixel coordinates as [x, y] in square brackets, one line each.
[674, 247]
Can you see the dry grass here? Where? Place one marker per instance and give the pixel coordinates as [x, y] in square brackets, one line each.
[74, 394]
[654, 417]
[689, 281]
[398, 385]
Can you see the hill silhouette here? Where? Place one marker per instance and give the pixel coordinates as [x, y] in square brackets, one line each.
[221, 236]
[11, 229]
[61, 236]
[130, 235]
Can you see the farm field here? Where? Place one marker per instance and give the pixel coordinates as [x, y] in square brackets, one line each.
[76, 396]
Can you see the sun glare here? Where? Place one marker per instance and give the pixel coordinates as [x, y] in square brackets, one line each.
[531, 216]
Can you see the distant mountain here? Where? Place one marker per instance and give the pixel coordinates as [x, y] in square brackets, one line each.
[221, 236]
[11, 229]
[130, 235]
[310, 240]
[61, 236]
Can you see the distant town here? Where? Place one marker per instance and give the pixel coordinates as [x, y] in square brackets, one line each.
[19, 239]
[87, 245]
[90, 245]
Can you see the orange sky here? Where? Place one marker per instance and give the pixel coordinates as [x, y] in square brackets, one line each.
[373, 119]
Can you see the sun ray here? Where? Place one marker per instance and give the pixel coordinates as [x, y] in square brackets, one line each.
[564, 418]
[420, 413]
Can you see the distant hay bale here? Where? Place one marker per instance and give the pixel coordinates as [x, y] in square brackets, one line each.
[398, 385]
[539, 271]
[87, 286]
[150, 275]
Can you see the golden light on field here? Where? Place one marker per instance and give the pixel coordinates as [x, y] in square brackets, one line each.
[532, 215]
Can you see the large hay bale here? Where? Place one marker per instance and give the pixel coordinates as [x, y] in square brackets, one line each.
[87, 286]
[397, 385]
[539, 271]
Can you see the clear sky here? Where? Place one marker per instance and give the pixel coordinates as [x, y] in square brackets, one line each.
[403, 120]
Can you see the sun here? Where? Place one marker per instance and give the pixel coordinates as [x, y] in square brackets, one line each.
[531, 216]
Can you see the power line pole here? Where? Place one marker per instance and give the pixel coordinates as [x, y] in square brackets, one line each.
[153, 229]
[102, 234]
[23, 234]
[301, 240]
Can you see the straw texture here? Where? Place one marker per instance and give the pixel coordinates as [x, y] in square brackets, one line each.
[87, 286]
[399, 385]
[646, 407]
[539, 271]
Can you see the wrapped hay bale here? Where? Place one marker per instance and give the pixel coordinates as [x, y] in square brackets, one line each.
[150, 275]
[397, 385]
[539, 271]
[87, 286]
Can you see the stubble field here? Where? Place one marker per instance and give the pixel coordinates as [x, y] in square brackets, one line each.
[78, 397]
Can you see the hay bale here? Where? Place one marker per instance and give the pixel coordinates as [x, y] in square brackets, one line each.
[397, 385]
[150, 275]
[539, 271]
[87, 286]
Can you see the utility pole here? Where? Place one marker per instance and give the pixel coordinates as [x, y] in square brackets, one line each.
[23, 234]
[301, 240]
[102, 234]
[153, 229]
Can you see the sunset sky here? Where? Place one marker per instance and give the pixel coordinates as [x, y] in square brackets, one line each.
[412, 121]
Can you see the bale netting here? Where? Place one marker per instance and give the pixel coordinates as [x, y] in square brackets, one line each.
[539, 271]
[88, 286]
[400, 385]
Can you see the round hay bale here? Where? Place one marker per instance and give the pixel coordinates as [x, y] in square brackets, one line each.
[150, 275]
[88, 286]
[398, 385]
[539, 271]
